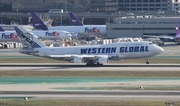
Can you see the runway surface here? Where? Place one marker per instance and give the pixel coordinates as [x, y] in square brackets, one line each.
[98, 95]
[119, 92]
[145, 69]
[82, 67]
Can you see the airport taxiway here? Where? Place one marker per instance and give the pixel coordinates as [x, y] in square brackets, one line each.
[98, 95]
[82, 67]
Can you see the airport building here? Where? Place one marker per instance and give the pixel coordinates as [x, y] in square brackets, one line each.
[93, 5]
[145, 5]
[140, 26]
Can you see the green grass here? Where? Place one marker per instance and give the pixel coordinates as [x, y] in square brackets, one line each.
[86, 103]
[145, 87]
[46, 60]
[102, 73]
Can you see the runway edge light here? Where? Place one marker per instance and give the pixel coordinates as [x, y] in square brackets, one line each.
[141, 87]
[26, 98]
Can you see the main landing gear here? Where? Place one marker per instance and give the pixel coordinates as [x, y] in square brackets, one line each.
[91, 63]
[147, 61]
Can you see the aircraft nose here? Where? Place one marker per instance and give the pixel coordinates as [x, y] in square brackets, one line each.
[70, 35]
[160, 50]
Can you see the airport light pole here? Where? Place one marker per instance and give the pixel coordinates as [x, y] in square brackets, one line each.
[65, 6]
[61, 20]
[17, 11]
[1, 17]
[97, 10]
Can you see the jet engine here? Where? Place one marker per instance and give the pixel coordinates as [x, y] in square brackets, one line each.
[77, 60]
[103, 60]
[27, 51]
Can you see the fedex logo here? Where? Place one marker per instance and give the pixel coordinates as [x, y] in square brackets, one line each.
[52, 34]
[37, 24]
[74, 20]
[94, 29]
[9, 36]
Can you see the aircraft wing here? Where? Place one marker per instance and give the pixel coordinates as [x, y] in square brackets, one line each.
[161, 36]
[167, 37]
[86, 57]
[108, 56]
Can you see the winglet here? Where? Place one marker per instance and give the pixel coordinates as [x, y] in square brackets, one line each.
[1, 29]
[75, 21]
[27, 39]
[37, 22]
[177, 30]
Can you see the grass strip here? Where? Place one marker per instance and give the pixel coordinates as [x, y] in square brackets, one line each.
[87, 103]
[93, 73]
[123, 87]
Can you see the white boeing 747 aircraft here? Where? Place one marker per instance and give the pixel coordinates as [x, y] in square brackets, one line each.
[99, 54]
[43, 34]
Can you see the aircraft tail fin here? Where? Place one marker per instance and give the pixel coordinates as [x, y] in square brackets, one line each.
[75, 21]
[177, 30]
[37, 22]
[27, 39]
[1, 29]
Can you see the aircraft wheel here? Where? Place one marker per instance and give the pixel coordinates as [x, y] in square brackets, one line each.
[90, 64]
[98, 64]
[147, 61]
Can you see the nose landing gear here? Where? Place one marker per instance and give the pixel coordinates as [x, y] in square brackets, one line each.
[147, 61]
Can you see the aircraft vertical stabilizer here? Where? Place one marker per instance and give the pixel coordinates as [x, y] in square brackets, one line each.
[27, 39]
[1, 29]
[75, 21]
[37, 22]
[177, 30]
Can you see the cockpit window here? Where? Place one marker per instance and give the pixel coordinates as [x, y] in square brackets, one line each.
[150, 43]
[67, 33]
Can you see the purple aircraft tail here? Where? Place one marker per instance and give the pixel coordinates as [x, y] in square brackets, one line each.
[37, 22]
[1, 29]
[177, 30]
[75, 21]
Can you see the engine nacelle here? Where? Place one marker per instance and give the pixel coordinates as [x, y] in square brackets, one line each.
[77, 60]
[27, 50]
[103, 60]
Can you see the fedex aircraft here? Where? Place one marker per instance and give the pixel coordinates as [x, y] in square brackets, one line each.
[175, 38]
[76, 22]
[94, 54]
[44, 35]
[81, 30]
